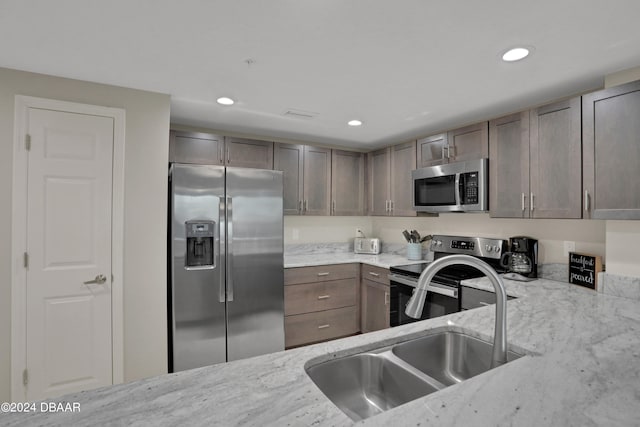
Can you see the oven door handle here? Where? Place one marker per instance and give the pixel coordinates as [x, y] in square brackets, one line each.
[431, 287]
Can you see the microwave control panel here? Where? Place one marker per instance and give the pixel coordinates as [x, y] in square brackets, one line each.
[470, 191]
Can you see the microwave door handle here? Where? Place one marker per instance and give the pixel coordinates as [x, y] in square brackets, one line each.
[458, 191]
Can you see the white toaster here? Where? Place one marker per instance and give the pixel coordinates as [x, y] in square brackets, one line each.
[362, 245]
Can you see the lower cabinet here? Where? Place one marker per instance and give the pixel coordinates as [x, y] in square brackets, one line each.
[375, 298]
[320, 303]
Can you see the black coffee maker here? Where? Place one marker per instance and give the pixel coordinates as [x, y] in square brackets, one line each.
[521, 261]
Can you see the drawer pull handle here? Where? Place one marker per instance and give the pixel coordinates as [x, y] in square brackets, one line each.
[323, 296]
[322, 274]
[374, 274]
[323, 326]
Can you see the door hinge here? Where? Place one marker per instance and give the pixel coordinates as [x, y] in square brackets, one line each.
[26, 260]
[27, 142]
[25, 377]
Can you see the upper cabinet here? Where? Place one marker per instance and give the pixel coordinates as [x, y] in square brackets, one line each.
[307, 178]
[535, 163]
[347, 183]
[212, 149]
[389, 172]
[509, 166]
[466, 143]
[196, 148]
[248, 153]
[611, 152]
[556, 160]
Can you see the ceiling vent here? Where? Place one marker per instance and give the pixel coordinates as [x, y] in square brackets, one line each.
[299, 114]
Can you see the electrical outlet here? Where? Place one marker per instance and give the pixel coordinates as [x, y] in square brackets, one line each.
[359, 232]
[569, 247]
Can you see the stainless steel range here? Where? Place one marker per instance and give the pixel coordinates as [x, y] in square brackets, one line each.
[445, 289]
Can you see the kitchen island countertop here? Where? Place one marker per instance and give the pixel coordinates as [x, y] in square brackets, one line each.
[582, 368]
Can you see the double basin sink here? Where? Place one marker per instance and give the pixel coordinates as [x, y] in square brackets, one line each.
[365, 384]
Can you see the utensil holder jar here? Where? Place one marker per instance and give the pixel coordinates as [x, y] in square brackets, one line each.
[414, 251]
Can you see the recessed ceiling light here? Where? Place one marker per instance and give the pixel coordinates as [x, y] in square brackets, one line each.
[225, 101]
[515, 54]
[354, 123]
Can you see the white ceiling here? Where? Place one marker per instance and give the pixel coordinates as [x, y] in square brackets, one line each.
[406, 68]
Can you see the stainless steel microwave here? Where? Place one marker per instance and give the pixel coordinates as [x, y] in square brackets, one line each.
[452, 187]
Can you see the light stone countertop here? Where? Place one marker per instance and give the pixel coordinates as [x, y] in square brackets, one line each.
[384, 260]
[585, 372]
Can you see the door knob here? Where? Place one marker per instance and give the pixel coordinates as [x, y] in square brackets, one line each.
[100, 279]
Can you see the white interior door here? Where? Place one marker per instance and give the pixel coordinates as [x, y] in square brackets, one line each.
[69, 205]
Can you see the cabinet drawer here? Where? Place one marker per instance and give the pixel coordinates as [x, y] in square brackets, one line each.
[323, 325]
[376, 274]
[323, 273]
[310, 297]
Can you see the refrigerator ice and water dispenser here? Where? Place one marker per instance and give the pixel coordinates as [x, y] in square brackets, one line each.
[200, 235]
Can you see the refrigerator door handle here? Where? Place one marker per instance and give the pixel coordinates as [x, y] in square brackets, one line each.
[229, 208]
[219, 246]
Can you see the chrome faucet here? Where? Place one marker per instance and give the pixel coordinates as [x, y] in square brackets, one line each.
[416, 303]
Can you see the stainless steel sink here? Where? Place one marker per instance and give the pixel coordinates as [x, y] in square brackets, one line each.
[449, 357]
[365, 384]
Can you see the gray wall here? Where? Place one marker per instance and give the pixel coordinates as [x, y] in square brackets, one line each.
[146, 156]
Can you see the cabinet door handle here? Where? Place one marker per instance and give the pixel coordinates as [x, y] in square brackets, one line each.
[374, 274]
[228, 155]
[323, 296]
[586, 201]
[391, 206]
[449, 151]
[324, 326]
[531, 202]
[220, 154]
[443, 148]
[305, 205]
[333, 206]
[386, 298]
[523, 197]
[386, 206]
[299, 206]
[323, 274]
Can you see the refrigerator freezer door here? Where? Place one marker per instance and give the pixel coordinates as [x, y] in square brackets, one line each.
[255, 278]
[197, 291]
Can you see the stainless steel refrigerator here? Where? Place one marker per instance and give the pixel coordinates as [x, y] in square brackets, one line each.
[226, 278]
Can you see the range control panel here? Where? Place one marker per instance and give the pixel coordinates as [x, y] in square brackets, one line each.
[476, 246]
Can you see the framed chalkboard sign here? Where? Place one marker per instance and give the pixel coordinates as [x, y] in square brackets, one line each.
[584, 269]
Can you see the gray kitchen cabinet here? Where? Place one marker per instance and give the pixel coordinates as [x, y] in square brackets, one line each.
[611, 152]
[509, 166]
[211, 149]
[379, 170]
[248, 153]
[390, 186]
[347, 183]
[375, 299]
[307, 178]
[535, 163]
[403, 161]
[556, 160]
[431, 151]
[468, 143]
[196, 148]
[465, 143]
[320, 303]
[289, 158]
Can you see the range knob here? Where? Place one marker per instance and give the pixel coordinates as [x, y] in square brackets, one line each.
[489, 248]
[438, 242]
[496, 248]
